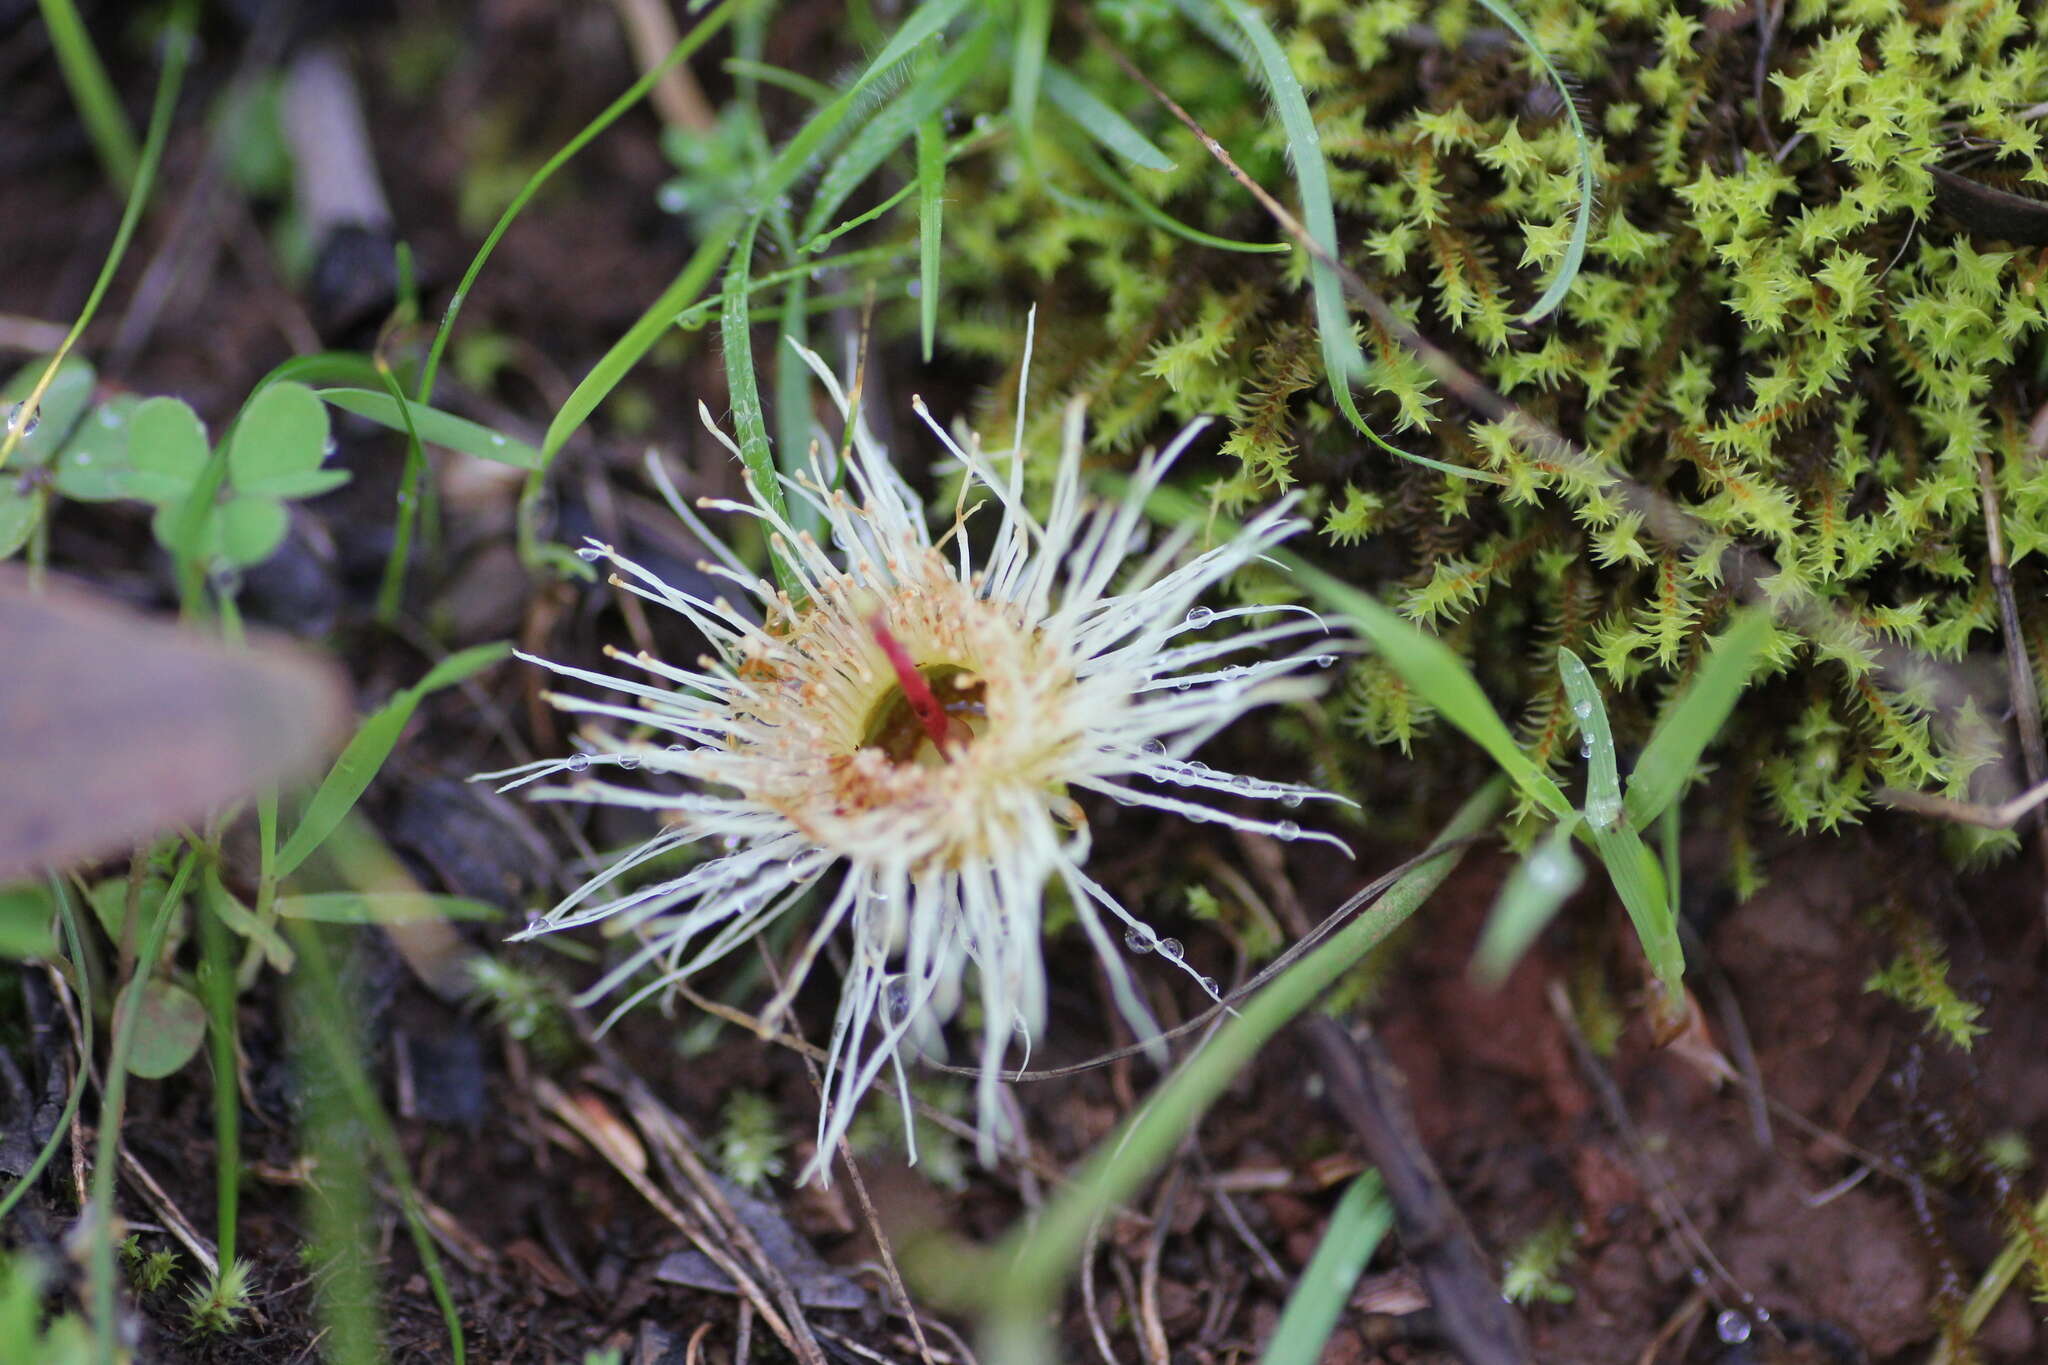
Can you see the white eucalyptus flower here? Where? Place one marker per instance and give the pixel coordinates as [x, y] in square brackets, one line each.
[900, 752]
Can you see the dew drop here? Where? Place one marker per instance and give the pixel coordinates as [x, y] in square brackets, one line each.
[1586, 747]
[1155, 746]
[897, 999]
[1200, 616]
[1208, 984]
[1139, 940]
[1732, 1326]
[672, 198]
[578, 762]
[1291, 800]
[589, 555]
[14, 421]
[678, 748]
[1183, 685]
[1582, 709]
[497, 439]
[1326, 661]
[1241, 783]
[109, 418]
[1170, 949]
[1287, 829]
[628, 762]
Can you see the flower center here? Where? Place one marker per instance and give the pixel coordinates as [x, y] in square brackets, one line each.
[934, 705]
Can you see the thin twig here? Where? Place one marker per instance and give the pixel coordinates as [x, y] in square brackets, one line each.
[2024, 693]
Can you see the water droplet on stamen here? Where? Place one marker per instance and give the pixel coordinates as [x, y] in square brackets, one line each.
[1732, 1326]
[1287, 829]
[1139, 940]
[1170, 949]
[589, 555]
[1155, 746]
[1290, 799]
[1208, 984]
[1326, 661]
[1200, 616]
[628, 762]
[896, 999]
[578, 762]
[1183, 685]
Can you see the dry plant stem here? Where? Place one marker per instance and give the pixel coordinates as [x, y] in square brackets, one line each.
[2024, 692]
[804, 1347]
[1686, 1315]
[1367, 1091]
[1090, 1309]
[652, 34]
[1151, 1331]
[175, 1222]
[2002, 816]
[860, 1189]
[1669, 1207]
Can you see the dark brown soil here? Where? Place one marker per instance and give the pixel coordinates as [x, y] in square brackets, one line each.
[550, 1252]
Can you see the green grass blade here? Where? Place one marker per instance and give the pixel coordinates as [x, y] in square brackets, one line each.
[350, 777]
[1027, 67]
[625, 353]
[1535, 891]
[1100, 122]
[177, 53]
[1582, 220]
[1158, 217]
[1629, 862]
[1359, 1223]
[98, 106]
[434, 426]
[706, 28]
[217, 989]
[931, 208]
[1024, 1275]
[895, 125]
[1692, 721]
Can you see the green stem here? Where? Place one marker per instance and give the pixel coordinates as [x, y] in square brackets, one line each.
[98, 105]
[217, 984]
[113, 1096]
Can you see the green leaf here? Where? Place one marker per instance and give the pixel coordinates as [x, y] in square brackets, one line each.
[94, 464]
[1690, 723]
[18, 516]
[383, 907]
[436, 427]
[1534, 893]
[247, 530]
[27, 915]
[280, 438]
[1101, 122]
[1359, 1223]
[166, 448]
[169, 1026]
[242, 920]
[1027, 66]
[350, 777]
[63, 403]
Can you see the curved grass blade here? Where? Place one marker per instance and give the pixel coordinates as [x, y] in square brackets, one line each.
[1027, 67]
[1575, 250]
[177, 53]
[705, 29]
[350, 777]
[1100, 122]
[1158, 217]
[1359, 1223]
[1691, 722]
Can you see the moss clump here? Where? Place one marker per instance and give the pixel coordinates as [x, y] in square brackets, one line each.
[1776, 328]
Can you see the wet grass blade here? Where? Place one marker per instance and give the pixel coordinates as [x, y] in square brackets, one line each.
[1630, 864]
[931, 208]
[1100, 122]
[1359, 1223]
